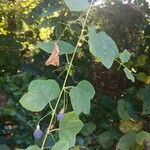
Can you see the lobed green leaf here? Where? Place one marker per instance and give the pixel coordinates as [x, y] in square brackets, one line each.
[69, 127]
[40, 92]
[103, 47]
[81, 95]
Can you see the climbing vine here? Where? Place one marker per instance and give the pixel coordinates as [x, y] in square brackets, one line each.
[65, 102]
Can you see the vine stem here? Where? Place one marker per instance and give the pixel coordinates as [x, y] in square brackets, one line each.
[65, 81]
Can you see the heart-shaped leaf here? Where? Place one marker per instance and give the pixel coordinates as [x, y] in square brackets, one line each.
[40, 92]
[69, 127]
[103, 47]
[81, 96]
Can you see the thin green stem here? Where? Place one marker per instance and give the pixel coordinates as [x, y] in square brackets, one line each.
[50, 105]
[65, 81]
[68, 87]
[67, 58]
[120, 63]
[44, 117]
[63, 32]
[64, 100]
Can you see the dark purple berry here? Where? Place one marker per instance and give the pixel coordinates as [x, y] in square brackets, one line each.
[147, 148]
[60, 115]
[37, 133]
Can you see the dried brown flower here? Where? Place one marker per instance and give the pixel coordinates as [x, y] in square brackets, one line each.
[54, 57]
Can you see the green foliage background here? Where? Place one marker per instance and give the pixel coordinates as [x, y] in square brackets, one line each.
[120, 109]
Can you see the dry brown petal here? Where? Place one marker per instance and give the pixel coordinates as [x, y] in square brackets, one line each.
[54, 57]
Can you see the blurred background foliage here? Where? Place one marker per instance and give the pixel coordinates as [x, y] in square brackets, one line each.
[25, 22]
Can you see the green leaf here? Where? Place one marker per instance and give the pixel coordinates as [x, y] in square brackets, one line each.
[40, 92]
[141, 60]
[33, 147]
[127, 141]
[77, 5]
[107, 103]
[65, 48]
[144, 94]
[142, 137]
[49, 89]
[81, 96]
[141, 76]
[69, 127]
[123, 109]
[129, 74]
[106, 139]
[88, 128]
[125, 56]
[103, 47]
[61, 145]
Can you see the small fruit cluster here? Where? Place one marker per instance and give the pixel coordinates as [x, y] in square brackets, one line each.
[38, 133]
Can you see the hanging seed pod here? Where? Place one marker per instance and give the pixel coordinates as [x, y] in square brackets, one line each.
[60, 115]
[37, 133]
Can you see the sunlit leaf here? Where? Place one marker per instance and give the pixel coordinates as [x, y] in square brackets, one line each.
[69, 127]
[129, 74]
[77, 5]
[65, 48]
[81, 96]
[50, 10]
[143, 137]
[147, 80]
[44, 33]
[103, 47]
[40, 92]
[130, 125]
